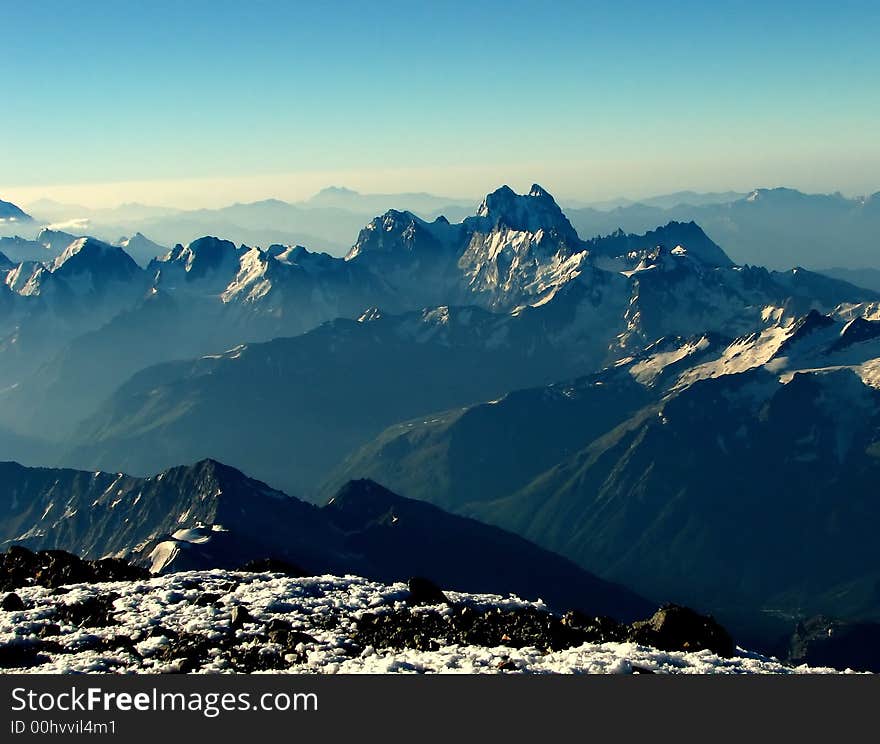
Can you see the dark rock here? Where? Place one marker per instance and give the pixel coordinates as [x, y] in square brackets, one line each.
[425, 631]
[49, 630]
[255, 659]
[12, 603]
[239, 616]
[94, 612]
[206, 599]
[21, 653]
[598, 629]
[677, 628]
[116, 569]
[56, 568]
[278, 623]
[273, 565]
[425, 591]
[296, 637]
[823, 641]
[122, 642]
[160, 630]
[189, 650]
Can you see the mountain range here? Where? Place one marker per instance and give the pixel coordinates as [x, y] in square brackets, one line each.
[208, 515]
[705, 468]
[643, 404]
[774, 227]
[511, 294]
[777, 228]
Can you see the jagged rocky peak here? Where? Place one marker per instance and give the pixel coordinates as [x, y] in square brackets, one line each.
[531, 212]
[201, 256]
[855, 331]
[288, 253]
[54, 240]
[397, 232]
[96, 257]
[675, 238]
[211, 479]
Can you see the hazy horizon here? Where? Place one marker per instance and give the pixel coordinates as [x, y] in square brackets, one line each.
[205, 104]
[212, 196]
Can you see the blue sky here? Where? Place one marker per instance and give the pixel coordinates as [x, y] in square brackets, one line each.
[209, 102]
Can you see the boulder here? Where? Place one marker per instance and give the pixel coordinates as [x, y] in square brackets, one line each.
[677, 628]
[93, 612]
[12, 603]
[424, 591]
[239, 616]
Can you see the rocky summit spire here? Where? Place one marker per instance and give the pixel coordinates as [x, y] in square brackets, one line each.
[530, 212]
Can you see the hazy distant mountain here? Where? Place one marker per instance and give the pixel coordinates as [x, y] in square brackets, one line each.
[425, 205]
[141, 248]
[45, 247]
[290, 409]
[864, 277]
[48, 210]
[777, 228]
[314, 403]
[667, 201]
[11, 214]
[78, 285]
[565, 307]
[327, 221]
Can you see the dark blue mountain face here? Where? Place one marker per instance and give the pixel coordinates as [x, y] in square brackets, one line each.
[210, 515]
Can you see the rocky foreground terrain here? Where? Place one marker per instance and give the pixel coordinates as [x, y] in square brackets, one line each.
[60, 614]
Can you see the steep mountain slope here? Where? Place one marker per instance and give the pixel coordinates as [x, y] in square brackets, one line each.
[742, 493]
[489, 450]
[99, 514]
[47, 304]
[412, 364]
[9, 213]
[703, 470]
[393, 532]
[208, 515]
[44, 248]
[289, 409]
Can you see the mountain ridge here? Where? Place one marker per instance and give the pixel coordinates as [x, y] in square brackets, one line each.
[208, 515]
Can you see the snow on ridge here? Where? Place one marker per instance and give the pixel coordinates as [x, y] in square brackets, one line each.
[325, 607]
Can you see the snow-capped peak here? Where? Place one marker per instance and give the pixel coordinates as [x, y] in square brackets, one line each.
[531, 212]
[95, 256]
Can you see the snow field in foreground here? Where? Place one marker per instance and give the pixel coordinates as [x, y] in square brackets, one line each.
[325, 607]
